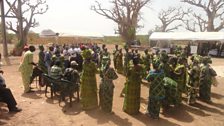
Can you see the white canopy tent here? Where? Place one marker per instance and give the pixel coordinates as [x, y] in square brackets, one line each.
[195, 37]
[184, 36]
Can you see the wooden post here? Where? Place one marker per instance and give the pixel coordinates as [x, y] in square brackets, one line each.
[4, 40]
[20, 21]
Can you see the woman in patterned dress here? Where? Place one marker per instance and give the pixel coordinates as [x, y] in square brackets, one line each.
[157, 92]
[88, 82]
[119, 61]
[133, 88]
[107, 88]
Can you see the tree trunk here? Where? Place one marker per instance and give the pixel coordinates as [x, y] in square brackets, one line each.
[18, 49]
[3, 27]
[210, 27]
[129, 35]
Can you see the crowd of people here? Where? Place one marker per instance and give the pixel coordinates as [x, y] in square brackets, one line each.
[169, 77]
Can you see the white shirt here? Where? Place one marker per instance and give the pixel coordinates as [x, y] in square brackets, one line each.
[71, 51]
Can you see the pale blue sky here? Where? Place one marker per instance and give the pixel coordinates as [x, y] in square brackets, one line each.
[75, 17]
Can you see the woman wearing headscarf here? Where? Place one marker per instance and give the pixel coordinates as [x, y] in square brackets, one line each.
[107, 87]
[88, 82]
[157, 92]
[133, 88]
[180, 78]
[205, 79]
[119, 61]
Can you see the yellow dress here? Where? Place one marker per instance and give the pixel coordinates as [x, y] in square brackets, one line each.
[26, 69]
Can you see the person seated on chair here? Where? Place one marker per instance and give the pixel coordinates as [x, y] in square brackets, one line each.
[71, 74]
[56, 70]
[7, 97]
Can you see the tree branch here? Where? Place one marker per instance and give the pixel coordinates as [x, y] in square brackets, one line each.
[105, 12]
[10, 27]
[173, 28]
[31, 9]
[197, 3]
[214, 10]
[169, 16]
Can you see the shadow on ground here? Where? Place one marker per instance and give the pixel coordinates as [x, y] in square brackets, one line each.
[5, 116]
[105, 118]
[217, 96]
[32, 95]
[210, 108]
[175, 112]
[148, 121]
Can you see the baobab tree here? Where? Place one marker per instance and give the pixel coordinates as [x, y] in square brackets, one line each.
[211, 20]
[126, 14]
[30, 8]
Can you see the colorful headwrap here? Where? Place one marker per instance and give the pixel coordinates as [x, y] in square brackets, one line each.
[164, 56]
[206, 59]
[41, 46]
[156, 63]
[105, 63]
[125, 46]
[105, 60]
[86, 54]
[196, 58]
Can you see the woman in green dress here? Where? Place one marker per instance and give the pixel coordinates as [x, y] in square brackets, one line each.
[115, 52]
[88, 83]
[146, 61]
[205, 80]
[133, 88]
[41, 62]
[180, 78]
[193, 82]
[107, 88]
[119, 61]
[157, 92]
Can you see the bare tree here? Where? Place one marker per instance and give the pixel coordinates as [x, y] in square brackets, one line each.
[170, 17]
[195, 23]
[213, 20]
[30, 8]
[126, 13]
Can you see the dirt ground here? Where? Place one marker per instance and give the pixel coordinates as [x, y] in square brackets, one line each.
[39, 110]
